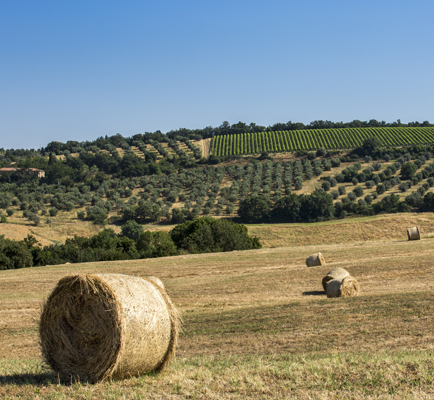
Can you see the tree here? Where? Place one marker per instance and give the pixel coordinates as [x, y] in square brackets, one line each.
[131, 229]
[428, 202]
[286, 209]
[254, 209]
[207, 234]
[371, 144]
[316, 207]
[408, 170]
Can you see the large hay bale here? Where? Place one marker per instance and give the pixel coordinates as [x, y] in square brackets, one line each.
[413, 233]
[348, 287]
[95, 327]
[315, 259]
[157, 281]
[336, 273]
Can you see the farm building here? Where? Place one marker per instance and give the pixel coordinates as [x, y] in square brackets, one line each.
[31, 171]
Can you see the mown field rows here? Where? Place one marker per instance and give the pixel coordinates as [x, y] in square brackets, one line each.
[312, 139]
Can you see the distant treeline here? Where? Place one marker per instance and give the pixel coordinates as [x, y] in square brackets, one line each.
[183, 134]
[203, 235]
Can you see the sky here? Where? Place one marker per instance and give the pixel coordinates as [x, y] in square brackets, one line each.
[78, 70]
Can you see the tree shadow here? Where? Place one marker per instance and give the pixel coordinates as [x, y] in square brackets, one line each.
[314, 293]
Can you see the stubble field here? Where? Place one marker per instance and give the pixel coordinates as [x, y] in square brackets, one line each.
[257, 324]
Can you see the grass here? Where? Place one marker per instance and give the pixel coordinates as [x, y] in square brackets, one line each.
[404, 375]
[257, 323]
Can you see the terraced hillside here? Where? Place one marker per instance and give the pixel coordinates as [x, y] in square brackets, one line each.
[312, 139]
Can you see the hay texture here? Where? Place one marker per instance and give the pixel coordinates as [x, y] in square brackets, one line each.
[413, 233]
[348, 287]
[157, 281]
[336, 273]
[315, 259]
[339, 283]
[96, 327]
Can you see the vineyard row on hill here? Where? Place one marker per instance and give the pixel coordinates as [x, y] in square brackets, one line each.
[274, 142]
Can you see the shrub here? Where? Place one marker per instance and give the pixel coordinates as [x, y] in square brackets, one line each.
[376, 166]
[326, 186]
[352, 196]
[321, 152]
[206, 234]
[318, 171]
[341, 190]
[336, 162]
[369, 184]
[53, 211]
[380, 189]
[358, 191]
[9, 212]
[408, 170]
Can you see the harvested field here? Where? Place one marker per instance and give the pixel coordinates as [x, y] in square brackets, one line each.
[257, 324]
[361, 229]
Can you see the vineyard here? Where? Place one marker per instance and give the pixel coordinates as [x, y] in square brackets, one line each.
[312, 139]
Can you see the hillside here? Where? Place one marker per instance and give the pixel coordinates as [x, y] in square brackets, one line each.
[155, 178]
[257, 323]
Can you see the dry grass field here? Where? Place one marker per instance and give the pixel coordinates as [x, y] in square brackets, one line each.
[257, 323]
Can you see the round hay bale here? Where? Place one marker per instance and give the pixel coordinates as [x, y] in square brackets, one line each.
[413, 233]
[95, 327]
[315, 259]
[336, 273]
[156, 281]
[348, 287]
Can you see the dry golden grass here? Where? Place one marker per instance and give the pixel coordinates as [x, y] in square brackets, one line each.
[349, 230]
[360, 229]
[257, 324]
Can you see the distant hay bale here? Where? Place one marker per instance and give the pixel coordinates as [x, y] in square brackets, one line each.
[315, 259]
[348, 287]
[156, 281]
[336, 273]
[413, 233]
[95, 327]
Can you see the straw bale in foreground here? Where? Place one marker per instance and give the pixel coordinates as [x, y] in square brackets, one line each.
[156, 281]
[336, 273]
[95, 327]
[413, 233]
[315, 259]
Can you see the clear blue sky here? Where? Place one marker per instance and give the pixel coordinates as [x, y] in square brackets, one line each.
[77, 70]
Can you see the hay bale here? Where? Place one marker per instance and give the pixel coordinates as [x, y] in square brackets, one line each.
[348, 287]
[336, 273]
[156, 281]
[315, 259]
[95, 327]
[413, 233]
